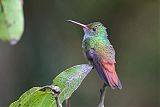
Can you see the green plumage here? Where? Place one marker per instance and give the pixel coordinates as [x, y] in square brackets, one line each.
[98, 40]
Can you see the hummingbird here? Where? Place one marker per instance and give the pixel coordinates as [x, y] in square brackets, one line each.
[99, 52]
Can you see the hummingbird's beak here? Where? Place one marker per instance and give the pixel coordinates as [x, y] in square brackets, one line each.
[80, 24]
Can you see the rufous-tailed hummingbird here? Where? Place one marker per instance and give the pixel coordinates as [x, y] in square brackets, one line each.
[100, 53]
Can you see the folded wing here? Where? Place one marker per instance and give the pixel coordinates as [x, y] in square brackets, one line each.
[105, 69]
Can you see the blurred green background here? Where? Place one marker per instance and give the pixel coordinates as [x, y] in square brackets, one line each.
[50, 45]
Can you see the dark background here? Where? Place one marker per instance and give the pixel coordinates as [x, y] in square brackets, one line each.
[50, 45]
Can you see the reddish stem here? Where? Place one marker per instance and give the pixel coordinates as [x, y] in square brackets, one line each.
[68, 103]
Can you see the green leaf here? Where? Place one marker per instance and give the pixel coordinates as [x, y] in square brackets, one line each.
[68, 81]
[11, 20]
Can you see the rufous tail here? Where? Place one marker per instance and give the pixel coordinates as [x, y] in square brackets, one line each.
[108, 70]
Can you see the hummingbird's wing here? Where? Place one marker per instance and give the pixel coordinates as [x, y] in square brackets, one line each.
[104, 65]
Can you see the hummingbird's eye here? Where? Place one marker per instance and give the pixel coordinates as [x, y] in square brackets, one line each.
[94, 29]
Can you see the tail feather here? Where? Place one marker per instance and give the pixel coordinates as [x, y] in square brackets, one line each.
[110, 73]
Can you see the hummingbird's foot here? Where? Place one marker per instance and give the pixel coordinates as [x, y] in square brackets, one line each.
[91, 64]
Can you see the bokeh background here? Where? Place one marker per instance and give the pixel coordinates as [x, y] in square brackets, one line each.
[50, 45]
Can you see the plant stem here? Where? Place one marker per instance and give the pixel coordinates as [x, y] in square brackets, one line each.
[55, 92]
[102, 95]
[68, 102]
[58, 101]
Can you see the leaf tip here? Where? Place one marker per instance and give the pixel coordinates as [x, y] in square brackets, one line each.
[13, 41]
[87, 67]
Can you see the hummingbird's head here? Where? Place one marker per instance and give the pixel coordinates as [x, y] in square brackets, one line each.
[93, 29]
